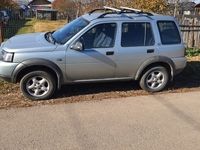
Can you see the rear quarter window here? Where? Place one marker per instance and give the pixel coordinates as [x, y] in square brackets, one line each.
[169, 32]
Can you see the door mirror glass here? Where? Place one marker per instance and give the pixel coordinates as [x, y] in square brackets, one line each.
[78, 46]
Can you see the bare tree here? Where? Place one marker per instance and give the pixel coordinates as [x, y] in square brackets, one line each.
[176, 4]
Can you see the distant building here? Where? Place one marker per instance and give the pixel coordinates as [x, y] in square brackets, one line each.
[40, 4]
[47, 14]
[197, 9]
[187, 8]
[42, 9]
[183, 8]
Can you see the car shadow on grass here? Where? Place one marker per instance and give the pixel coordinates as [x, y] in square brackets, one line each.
[188, 79]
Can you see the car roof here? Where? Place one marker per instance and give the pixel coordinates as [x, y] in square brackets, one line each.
[125, 17]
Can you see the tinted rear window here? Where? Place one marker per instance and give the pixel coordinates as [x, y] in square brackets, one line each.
[168, 32]
[137, 34]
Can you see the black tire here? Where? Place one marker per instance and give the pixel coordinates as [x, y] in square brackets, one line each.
[152, 81]
[38, 85]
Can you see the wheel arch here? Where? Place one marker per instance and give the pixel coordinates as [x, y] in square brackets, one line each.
[156, 61]
[37, 64]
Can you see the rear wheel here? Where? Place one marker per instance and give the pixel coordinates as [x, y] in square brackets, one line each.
[154, 79]
[38, 85]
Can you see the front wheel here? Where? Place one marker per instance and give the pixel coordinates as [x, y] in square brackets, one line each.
[154, 79]
[38, 85]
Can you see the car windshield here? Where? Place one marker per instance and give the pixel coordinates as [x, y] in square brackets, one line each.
[62, 35]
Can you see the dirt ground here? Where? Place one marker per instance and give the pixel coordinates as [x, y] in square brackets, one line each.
[189, 80]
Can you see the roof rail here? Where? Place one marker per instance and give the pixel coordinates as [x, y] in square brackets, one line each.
[124, 14]
[108, 13]
[105, 8]
[122, 11]
[130, 9]
[99, 9]
[137, 11]
[112, 8]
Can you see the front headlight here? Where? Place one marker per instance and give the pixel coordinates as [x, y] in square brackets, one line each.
[7, 56]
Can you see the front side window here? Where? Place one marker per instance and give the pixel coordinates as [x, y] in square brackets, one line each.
[169, 33]
[137, 34]
[100, 36]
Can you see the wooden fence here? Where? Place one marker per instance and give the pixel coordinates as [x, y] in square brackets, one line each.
[190, 27]
[191, 35]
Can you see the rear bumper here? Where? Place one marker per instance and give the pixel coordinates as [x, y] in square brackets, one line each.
[180, 64]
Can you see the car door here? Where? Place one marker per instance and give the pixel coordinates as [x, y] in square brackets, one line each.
[97, 60]
[137, 45]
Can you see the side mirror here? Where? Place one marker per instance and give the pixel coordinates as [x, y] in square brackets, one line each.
[78, 46]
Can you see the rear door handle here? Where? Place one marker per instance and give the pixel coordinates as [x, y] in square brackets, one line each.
[150, 51]
[110, 53]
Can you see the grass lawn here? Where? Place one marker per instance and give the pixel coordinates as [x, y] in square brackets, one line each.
[33, 25]
[27, 27]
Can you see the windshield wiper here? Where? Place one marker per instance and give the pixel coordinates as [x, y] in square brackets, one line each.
[47, 36]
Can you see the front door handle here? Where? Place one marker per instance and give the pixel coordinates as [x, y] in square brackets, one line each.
[110, 53]
[150, 51]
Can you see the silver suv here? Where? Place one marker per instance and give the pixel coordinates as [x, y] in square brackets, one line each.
[104, 45]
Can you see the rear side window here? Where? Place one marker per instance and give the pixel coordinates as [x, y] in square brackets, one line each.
[137, 34]
[168, 32]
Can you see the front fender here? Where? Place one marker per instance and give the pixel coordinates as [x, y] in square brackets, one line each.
[38, 62]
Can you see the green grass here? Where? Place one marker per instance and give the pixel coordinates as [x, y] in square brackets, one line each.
[31, 25]
[190, 52]
[28, 27]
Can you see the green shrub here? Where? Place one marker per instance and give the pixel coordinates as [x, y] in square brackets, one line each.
[192, 52]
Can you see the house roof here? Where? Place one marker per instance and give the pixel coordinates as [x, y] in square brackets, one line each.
[197, 5]
[39, 2]
[185, 6]
[21, 2]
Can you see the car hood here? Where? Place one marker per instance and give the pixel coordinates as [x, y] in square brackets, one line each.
[28, 43]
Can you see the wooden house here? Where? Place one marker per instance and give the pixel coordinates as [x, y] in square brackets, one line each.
[43, 9]
[40, 4]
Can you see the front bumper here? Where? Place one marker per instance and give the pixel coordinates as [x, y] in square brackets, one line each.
[6, 70]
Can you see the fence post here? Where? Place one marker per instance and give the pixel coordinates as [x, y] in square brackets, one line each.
[1, 32]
